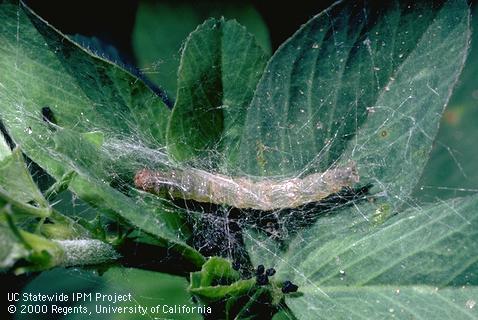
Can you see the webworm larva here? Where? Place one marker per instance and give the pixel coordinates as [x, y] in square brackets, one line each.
[266, 194]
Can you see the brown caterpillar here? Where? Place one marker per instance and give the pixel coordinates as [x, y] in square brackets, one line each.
[241, 192]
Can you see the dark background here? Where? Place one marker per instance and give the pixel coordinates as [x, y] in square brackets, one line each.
[112, 22]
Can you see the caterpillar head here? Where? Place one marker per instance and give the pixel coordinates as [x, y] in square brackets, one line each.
[156, 182]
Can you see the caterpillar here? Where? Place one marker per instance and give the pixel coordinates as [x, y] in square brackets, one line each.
[244, 193]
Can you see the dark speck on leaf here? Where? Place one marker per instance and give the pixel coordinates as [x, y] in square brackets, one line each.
[47, 115]
[260, 269]
[270, 272]
[289, 287]
[262, 279]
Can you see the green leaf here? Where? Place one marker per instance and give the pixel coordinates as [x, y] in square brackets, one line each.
[161, 28]
[44, 253]
[19, 192]
[34, 252]
[216, 269]
[348, 256]
[11, 249]
[75, 113]
[387, 302]
[358, 82]
[86, 156]
[217, 280]
[22, 209]
[83, 91]
[452, 169]
[214, 293]
[395, 142]
[219, 70]
[37, 253]
[16, 179]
